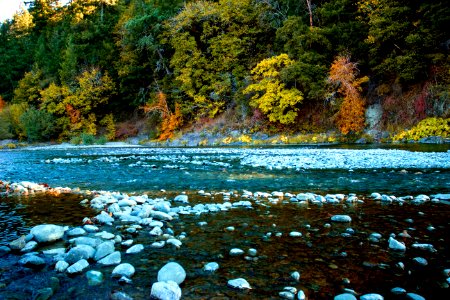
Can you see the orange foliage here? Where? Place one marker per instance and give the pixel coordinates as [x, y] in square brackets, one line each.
[2, 103]
[170, 121]
[74, 114]
[350, 117]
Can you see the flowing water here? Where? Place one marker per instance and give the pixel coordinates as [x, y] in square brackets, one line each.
[323, 255]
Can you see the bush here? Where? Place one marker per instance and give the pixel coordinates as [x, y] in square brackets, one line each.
[88, 139]
[37, 125]
[426, 128]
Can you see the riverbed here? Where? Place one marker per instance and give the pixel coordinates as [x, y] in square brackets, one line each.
[331, 257]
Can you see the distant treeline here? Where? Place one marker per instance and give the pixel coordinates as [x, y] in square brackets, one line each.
[265, 64]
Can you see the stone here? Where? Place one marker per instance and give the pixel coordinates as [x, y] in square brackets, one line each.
[158, 245]
[398, 291]
[90, 228]
[295, 234]
[135, 249]
[4, 250]
[94, 277]
[61, 266]
[18, 244]
[44, 294]
[76, 232]
[239, 283]
[156, 231]
[47, 233]
[345, 296]
[287, 295]
[396, 245]
[172, 271]
[236, 252]
[104, 218]
[32, 261]
[54, 252]
[166, 290]
[30, 246]
[162, 216]
[84, 240]
[295, 275]
[103, 250]
[79, 252]
[301, 295]
[371, 297]
[341, 218]
[174, 242]
[112, 259]
[420, 261]
[125, 269]
[120, 296]
[78, 267]
[252, 252]
[105, 235]
[211, 267]
[162, 206]
[427, 247]
[414, 296]
[181, 198]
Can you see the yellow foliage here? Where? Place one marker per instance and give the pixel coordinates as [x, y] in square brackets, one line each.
[227, 140]
[170, 124]
[108, 122]
[425, 128]
[270, 94]
[245, 139]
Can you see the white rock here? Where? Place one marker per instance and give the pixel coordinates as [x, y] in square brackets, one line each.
[104, 218]
[76, 232]
[104, 249]
[211, 267]
[135, 249]
[398, 291]
[166, 290]
[158, 245]
[105, 235]
[345, 296]
[47, 233]
[94, 277]
[174, 242]
[84, 240]
[123, 270]
[172, 271]
[341, 218]
[31, 245]
[414, 296]
[239, 283]
[236, 252]
[78, 267]
[112, 259]
[371, 297]
[159, 215]
[181, 198]
[61, 266]
[79, 252]
[427, 247]
[396, 245]
[295, 275]
[301, 295]
[90, 228]
[295, 234]
[156, 231]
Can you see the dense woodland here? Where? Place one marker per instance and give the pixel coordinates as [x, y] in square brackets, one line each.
[101, 67]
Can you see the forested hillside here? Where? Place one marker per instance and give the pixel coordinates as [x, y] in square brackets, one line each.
[99, 67]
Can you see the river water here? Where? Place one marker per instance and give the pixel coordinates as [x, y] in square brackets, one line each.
[324, 256]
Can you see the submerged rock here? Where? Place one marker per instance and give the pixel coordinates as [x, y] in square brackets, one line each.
[135, 249]
[32, 261]
[166, 290]
[345, 296]
[341, 218]
[104, 249]
[211, 267]
[239, 283]
[396, 245]
[172, 271]
[94, 277]
[125, 269]
[78, 267]
[371, 297]
[18, 244]
[112, 259]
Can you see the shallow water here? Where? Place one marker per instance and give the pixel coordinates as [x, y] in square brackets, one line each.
[323, 256]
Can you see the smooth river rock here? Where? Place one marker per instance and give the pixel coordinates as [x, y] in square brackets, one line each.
[239, 283]
[345, 296]
[341, 218]
[47, 233]
[172, 271]
[166, 290]
[104, 249]
[112, 259]
[78, 267]
[125, 269]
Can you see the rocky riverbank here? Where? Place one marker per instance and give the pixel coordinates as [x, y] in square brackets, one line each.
[102, 252]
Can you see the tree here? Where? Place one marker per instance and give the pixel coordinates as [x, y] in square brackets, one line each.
[270, 94]
[215, 44]
[343, 73]
[29, 88]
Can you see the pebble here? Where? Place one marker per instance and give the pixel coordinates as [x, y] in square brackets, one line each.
[287, 295]
[172, 271]
[78, 267]
[127, 243]
[239, 283]
[174, 242]
[105, 235]
[396, 245]
[125, 269]
[94, 277]
[341, 218]
[61, 266]
[30, 246]
[345, 296]
[79, 252]
[181, 198]
[158, 245]
[112, 259]
[295, 234]
[32, 261]
[211, 267]
[398, 291]
[90, 228]
[76, 232]
[420, 261]
[18, 244]
[414, 296]
[166, 290]
[46, 233]
[252, 252]
[236, 252]
[371, 297]
[120, 296]
[295, 275]
[103, 250]
[135, 249]
[301, 295]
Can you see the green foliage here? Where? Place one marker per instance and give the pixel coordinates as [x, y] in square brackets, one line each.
[108, 122]
[215, 43]
[37, 125]
[28, 90]
[11, 120]
[88, 139]
[270, 94]
[426, 128]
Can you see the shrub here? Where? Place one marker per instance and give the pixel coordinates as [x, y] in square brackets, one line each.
[37, 125]
[425, 128]
[87, 139]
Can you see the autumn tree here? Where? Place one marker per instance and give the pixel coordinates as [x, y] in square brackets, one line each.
[343, 74]
[270, 95]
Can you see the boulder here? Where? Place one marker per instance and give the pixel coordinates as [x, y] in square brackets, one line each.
[123, 270]
[166, 290]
